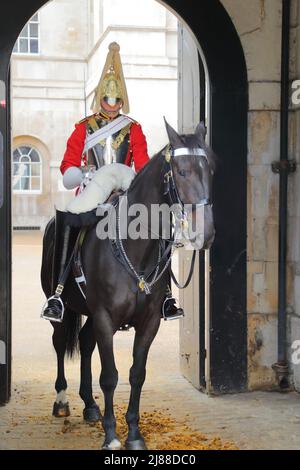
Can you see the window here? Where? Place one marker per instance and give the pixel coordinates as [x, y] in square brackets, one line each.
[27, 170]
[28, 41]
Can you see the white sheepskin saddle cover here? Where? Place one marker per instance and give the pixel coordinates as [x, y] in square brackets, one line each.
[107, 179]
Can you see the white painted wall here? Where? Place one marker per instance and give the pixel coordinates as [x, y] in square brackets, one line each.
[49, 89]
[47, 99]
[64, 30]
[147, 34]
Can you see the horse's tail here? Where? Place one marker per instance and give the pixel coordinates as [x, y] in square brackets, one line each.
[72, 323]
[47, 254]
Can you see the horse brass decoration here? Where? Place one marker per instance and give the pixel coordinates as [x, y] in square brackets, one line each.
[168, 154]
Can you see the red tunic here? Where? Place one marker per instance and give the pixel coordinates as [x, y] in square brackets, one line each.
[137, 150]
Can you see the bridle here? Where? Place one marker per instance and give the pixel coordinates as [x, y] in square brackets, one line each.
[170, 187]
[145, 284]
[173, 198]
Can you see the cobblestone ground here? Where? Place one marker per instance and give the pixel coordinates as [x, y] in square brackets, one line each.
[172, 407]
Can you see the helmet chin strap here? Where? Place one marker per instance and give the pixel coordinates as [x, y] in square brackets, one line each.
[109, 113]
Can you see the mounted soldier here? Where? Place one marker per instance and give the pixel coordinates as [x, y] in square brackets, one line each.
[103, 138]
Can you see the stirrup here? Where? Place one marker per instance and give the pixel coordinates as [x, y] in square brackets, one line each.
[171, 312]
[53, 314]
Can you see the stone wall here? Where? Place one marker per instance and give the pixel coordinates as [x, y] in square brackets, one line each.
[258, 24]
[294, 204]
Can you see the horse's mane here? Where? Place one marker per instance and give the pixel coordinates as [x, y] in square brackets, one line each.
[145, 169]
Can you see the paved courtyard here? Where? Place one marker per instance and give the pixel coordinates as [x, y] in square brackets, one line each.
[170, 404]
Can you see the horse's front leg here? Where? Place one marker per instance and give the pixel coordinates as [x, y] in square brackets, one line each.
[59, 338]
[142, 342]
[108, 378]
[87, 342]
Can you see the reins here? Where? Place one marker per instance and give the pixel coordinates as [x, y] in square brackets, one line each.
[166, 248]
[145, 283]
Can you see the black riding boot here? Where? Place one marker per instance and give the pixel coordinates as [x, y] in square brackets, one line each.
[170, 311]
[54, 308]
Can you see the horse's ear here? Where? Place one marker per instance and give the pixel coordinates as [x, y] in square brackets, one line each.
[174, 138]
[201, 130]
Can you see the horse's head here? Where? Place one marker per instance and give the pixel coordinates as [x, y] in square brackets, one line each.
[193, 164]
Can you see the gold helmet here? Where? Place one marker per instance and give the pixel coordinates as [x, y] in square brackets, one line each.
[111, 86]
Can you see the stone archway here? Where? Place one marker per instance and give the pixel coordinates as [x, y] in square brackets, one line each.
[225, 61]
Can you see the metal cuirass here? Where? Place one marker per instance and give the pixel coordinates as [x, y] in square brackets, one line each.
[113, 149]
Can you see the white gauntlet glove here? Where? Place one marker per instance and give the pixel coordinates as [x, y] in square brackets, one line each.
[74, 176]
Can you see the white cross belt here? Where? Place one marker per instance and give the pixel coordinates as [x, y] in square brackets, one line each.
[105, 132]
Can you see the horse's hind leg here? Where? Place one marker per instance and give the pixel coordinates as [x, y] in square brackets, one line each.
[142, 343]
[59, 338]
[87, 342]
[108, 378]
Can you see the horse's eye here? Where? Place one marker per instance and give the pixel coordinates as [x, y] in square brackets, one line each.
[182, 173]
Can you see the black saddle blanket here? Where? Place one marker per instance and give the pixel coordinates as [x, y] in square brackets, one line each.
[85, 219]
[89, 218]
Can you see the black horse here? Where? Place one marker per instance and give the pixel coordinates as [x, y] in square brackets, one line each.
[181, 173]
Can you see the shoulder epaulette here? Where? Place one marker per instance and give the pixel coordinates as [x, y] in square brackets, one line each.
[87, 118]
[132, 120]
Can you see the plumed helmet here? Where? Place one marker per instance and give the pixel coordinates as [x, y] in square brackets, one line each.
[111, 86]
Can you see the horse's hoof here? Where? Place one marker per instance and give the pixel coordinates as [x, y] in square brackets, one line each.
[61, 410]
[115, 444]
[92, 414]
[139, 444]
